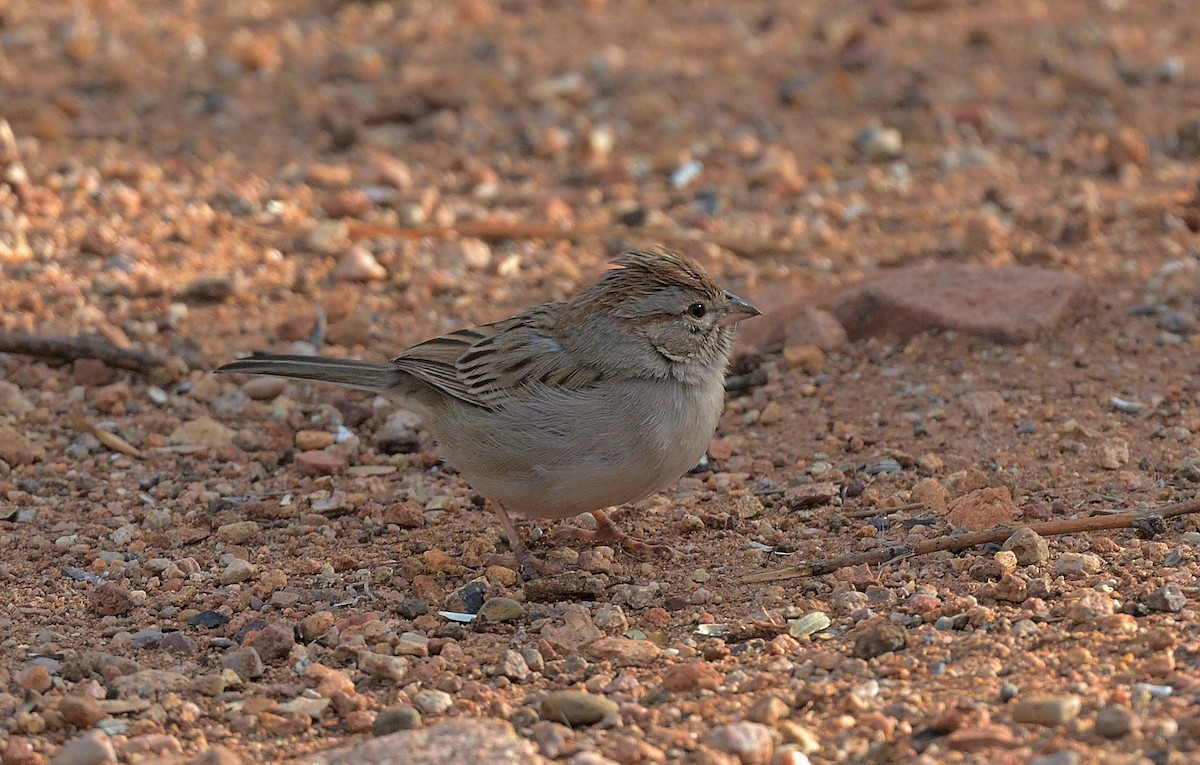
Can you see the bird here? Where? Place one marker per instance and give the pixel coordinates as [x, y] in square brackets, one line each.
[570, 407]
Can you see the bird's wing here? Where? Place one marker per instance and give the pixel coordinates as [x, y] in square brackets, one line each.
[493, 363]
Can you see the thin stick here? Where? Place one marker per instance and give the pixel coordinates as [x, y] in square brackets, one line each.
[997, 534]
[111, 440]
[80, 347]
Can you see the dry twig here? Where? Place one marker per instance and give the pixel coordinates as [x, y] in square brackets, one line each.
[80, 347]
[1152, 519]
[111, 440]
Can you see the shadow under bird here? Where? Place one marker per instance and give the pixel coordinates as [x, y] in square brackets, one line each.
[570, 407]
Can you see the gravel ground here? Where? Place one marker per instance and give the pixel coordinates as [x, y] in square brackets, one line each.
[218, 570]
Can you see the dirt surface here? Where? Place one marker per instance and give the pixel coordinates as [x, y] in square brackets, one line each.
[248, 570]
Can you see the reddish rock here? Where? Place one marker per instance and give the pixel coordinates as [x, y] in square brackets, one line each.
[111, 599]
[34, 678]
[323, 462]
[18, 751]
[983, 509]
[347, 203]
[1013, 304]
[696, 674]
[16, 449]
[81, 711]
[272, 642]
[980, 737]
[91, 373]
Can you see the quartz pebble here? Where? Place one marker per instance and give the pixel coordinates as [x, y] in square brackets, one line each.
[576, 707]
[752, 743]
[1047, 710]
[90, 748]
[433, 702]
[1030, 547]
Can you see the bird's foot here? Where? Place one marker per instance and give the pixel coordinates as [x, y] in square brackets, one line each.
[520, 558]
[607, 531]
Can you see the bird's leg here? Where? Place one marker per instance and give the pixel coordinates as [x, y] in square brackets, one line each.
[607, 531]
[524, 558]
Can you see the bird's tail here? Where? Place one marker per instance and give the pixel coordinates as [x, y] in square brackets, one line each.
[351, 373]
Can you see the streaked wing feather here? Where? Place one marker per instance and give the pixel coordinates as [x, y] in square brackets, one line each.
[492, 363]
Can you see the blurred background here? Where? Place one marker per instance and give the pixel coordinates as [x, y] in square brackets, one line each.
[275, 150]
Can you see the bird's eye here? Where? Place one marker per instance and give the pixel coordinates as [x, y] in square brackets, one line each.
[697, 310]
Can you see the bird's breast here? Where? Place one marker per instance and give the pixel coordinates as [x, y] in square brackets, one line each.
[569, 453]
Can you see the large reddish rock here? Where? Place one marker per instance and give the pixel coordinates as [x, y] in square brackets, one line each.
[1012, 304]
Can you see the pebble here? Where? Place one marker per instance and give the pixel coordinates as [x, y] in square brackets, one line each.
[392, 719]
[1116, 720]
[13, 401]
[1074, 564]
[433, 702]
[1047, 710]
[878, 640]
[879, 143]
[752, 743]
[315, 625]
[975, 738]
[611, 619]
[327, 236]
[769, 711]
[90, 748]
[18, 751]
[212, 288]
[513, 666]
[357, 264]
[218, 755]
[501, 609]
[178, 643]
[111, 599]
[796, 734]
[238, 532]
[16, 449]
[1168, 598]
[261, 388]
[1063, 757]
[1030, 547]
[81, 711]
[202, 431]
[245, 662]
[809, 624]
[1113, 454]
[308, 440]
[467, 599]
[576, 707]
[321, 462]
[983, 509]
[576, 631]
[695, 674]
[624, 652]
[237, 570]
[383, 666]
[159, 744]
[35, 678]
[412, 644]
[302, 705]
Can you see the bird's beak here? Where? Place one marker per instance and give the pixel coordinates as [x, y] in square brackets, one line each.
[737, 309]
